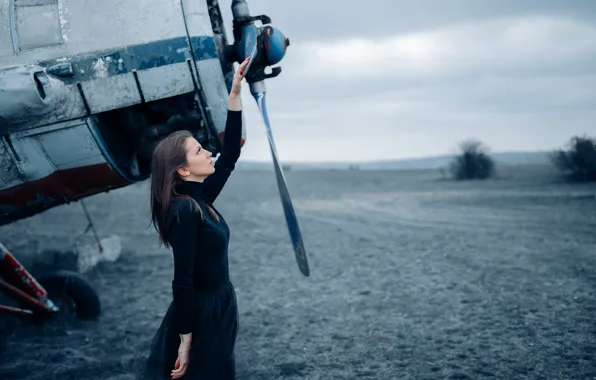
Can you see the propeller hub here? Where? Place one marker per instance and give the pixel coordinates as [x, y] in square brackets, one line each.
[275, 45]
[266, 44]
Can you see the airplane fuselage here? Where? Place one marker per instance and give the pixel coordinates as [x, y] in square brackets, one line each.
[86, 88]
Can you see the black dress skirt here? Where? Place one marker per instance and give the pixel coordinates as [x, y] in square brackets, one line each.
[214, 335]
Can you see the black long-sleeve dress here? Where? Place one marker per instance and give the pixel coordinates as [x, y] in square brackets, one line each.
[204, 300]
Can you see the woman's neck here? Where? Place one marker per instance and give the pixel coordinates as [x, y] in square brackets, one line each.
[191, 188]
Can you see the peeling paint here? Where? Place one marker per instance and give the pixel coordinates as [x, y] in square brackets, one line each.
[100, 68]
[63, 12]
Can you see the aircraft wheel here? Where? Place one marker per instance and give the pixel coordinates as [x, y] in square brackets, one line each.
[72, 293]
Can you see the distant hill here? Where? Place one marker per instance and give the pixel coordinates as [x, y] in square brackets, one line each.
[505, 158]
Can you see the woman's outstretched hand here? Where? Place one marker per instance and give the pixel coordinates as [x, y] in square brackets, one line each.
[234, 103]
[238, 76]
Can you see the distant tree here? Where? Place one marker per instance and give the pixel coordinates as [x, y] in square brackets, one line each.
[578, 162]
[473, 162]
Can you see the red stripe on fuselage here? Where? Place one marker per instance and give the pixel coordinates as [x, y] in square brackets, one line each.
[61, 187]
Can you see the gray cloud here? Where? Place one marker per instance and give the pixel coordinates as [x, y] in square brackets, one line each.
[399, 80]
[331, 19]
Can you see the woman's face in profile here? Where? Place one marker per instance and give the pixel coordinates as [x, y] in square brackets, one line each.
[198, 160]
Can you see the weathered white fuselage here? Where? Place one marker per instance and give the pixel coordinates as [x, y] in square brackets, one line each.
[82, 81]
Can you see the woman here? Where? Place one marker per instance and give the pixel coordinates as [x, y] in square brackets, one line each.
[197, 336]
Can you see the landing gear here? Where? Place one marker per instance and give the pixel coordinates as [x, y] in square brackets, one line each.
[72, 293]
[53, 293]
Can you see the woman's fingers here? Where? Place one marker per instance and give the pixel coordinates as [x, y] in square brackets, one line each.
[180, 369]
[243, 66]
[179, 372]
[238, 76]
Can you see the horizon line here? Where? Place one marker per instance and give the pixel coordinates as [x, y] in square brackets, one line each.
[378, 160]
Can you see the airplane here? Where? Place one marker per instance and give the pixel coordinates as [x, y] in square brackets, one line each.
[86, 91]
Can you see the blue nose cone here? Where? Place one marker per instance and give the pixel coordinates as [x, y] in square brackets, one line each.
[276, 45]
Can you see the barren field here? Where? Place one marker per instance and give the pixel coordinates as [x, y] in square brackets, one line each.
[413, 277]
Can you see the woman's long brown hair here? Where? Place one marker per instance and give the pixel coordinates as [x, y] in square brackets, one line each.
[168, 156]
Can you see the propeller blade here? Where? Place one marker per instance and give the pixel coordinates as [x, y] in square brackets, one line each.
[249, 44]
[266, 46]
[259, 93]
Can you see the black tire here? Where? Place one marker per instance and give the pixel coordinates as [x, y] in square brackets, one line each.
[73, 289]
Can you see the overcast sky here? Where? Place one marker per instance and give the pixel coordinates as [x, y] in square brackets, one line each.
[400, 79]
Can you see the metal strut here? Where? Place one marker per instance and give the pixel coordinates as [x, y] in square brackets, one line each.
[200, 98]
[90, 226]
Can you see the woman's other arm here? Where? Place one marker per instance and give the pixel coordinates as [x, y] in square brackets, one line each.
[183, 242]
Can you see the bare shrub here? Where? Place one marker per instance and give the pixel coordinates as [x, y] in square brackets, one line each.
[578, 161]
[474, 162]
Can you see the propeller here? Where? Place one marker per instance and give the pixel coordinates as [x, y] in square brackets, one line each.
[266, 46]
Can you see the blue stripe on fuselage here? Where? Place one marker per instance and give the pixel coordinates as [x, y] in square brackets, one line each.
[123, 60]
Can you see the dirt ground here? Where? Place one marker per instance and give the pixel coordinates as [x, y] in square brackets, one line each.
[413, 277]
